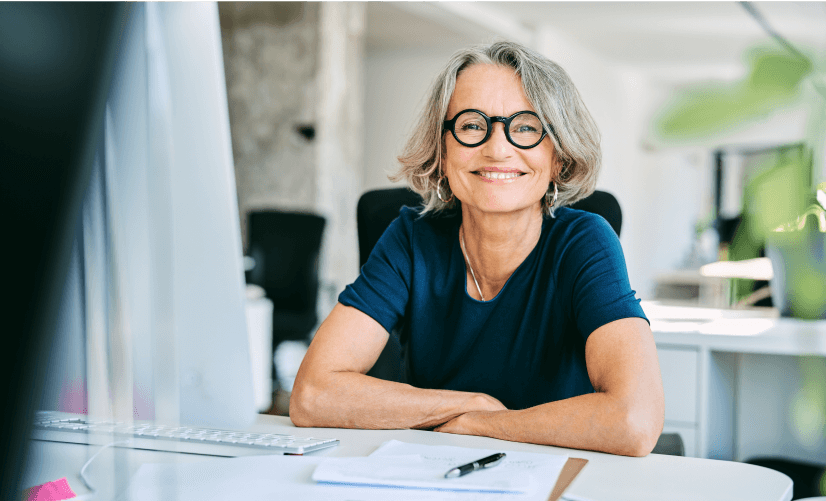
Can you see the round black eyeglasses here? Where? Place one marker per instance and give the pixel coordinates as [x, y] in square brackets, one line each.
[471, 128]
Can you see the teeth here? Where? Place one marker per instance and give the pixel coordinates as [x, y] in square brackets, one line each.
[498, 175]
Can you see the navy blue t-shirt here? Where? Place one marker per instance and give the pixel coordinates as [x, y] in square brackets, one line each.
[524, 347]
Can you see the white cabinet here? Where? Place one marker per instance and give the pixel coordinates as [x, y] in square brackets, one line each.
[679, 367]
[733, 380]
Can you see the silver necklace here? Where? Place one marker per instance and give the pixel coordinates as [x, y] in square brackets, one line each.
[467, 260]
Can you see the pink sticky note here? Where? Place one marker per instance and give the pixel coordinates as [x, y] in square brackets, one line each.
[50, 491]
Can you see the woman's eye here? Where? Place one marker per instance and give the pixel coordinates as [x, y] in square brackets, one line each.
[525, 128]
[471, 127]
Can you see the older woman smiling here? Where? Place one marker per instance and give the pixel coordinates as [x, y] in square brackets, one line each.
[516, 313]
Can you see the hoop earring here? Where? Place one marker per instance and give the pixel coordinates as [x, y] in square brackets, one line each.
[439, 192]
[551, 202]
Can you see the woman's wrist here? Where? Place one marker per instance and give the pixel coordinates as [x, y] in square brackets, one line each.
[471, 423]
[480, 402]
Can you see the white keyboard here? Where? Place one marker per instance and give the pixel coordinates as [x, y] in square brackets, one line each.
[57, 427]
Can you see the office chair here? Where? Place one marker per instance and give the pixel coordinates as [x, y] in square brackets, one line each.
[285, 247]
[603, 204]
[376, 210]
[670, 444]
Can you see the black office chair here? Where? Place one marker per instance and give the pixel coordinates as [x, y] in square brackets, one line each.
[604, 204]
[670, 444]
[376, 210]
[285, 247]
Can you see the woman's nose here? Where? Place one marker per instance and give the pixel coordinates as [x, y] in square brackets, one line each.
[497, 146]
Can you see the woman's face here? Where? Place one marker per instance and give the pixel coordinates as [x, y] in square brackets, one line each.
[496, 176]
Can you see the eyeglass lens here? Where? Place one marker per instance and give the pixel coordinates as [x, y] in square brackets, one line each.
[525, 129]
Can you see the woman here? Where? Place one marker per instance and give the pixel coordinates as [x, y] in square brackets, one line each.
[516, 313]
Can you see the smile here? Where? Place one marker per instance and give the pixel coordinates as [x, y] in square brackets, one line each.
[497, 176]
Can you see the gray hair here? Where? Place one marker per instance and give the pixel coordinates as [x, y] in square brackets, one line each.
[554, 98]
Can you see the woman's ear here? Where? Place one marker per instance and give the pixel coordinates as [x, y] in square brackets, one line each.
[562, 169]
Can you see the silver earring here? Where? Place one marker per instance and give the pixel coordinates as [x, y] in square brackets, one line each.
[551, 202]
[439, 192]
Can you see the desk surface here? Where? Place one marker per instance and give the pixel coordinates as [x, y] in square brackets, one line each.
[741, 331]
[606, 477]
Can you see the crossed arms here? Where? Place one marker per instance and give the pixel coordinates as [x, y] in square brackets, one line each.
[623, 416]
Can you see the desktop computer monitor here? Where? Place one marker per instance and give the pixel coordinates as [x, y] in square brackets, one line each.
[152, 325]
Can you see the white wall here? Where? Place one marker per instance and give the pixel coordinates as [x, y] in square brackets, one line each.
[661, 193]
[395, 83]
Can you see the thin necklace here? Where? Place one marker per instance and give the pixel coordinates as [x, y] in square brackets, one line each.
[467, 260]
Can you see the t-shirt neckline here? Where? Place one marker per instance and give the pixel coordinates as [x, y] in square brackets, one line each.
[530, 256]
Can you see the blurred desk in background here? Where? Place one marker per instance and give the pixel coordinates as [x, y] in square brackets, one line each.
[690, 287]
[742, 383]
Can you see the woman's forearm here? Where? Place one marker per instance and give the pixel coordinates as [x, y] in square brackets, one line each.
[354, 400]
[594, 421]
[623, 416]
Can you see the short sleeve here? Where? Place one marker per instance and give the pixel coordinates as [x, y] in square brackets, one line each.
[382, 289]
[594, 262]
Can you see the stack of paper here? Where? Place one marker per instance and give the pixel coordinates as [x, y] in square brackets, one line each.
[291, 477]
[413, 466]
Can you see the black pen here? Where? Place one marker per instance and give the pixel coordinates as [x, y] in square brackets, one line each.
[488, 462]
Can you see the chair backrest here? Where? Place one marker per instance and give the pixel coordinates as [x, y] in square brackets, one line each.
[286, 246]
[376, 210]
[604, 204]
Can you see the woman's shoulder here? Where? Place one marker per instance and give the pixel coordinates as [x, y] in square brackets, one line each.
[438, 222]
[577, 221]
[414, 229]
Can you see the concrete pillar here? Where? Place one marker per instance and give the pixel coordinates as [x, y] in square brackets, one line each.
[271, 60]
[340, 156]
[295, 90]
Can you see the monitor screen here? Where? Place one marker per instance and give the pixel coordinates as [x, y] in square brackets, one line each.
[152, 323]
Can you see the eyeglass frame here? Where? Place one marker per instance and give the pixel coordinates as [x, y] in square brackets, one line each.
[450, 125]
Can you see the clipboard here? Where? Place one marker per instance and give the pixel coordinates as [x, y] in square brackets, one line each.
[569, 472]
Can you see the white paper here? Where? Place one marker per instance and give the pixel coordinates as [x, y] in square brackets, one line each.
[272, 478]
[416, 472]
[416, 466]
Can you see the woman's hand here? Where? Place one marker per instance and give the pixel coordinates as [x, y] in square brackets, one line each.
[463, 423]
[482, 402]
[460, 425]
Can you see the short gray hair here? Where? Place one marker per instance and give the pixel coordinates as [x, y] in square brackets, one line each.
[554, 98]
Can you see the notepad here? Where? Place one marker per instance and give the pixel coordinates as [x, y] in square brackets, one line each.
[413, 466]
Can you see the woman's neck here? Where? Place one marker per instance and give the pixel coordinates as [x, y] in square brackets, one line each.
[496, 244]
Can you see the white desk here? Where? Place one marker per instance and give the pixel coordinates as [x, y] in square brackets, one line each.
[740, 384]
[606, 477]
